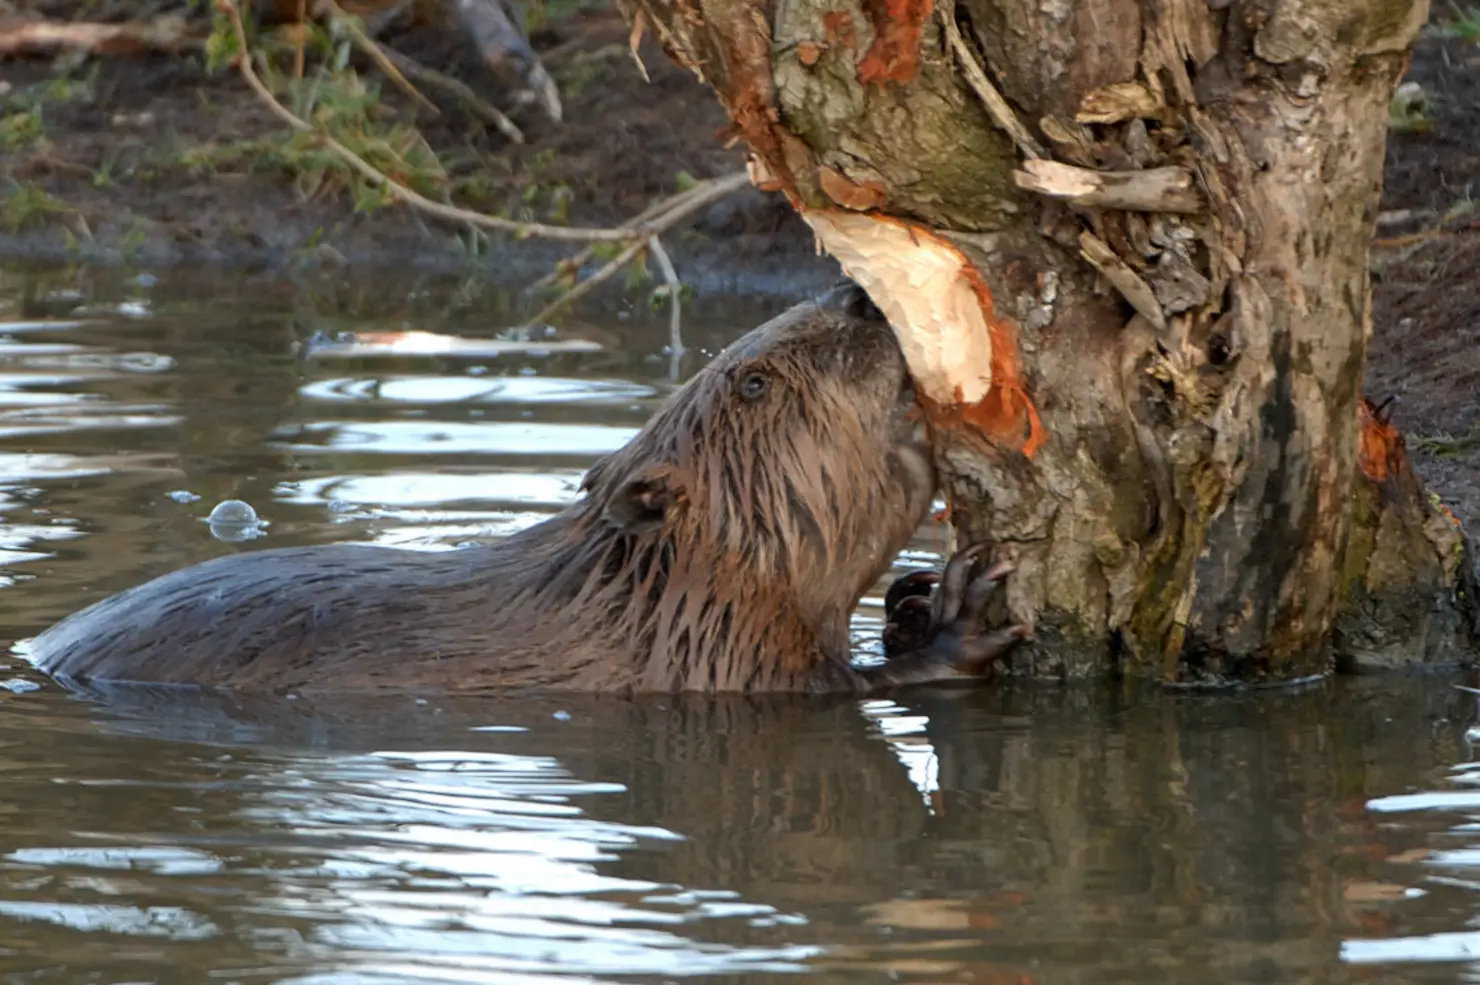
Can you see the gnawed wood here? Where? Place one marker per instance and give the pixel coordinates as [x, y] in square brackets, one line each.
[920, 285]
[1166, 189]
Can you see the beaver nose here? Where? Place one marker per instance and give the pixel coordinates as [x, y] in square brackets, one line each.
[850, 299]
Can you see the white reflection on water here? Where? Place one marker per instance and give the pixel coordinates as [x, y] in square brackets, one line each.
[467, 861]
[457, 437]
[172, 922]
[905, 733]
[444, 865]
[481, 389]
[553, 488]
[1461, 946]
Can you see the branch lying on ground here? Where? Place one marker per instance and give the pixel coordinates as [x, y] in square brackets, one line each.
[637, 234]
[470, 99]
[336, 15]
[47, 37]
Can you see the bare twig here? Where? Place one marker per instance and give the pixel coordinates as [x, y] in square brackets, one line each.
[300, 39]
[676, 206]
[591, 283]
[469, 98]
[716, 188]
[639, 24]
[635, 235]
[675, 317]
[367, 44]
[976, 77]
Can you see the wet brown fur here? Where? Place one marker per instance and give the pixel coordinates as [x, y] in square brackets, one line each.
[722, 549]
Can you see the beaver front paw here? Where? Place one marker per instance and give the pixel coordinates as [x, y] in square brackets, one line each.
[934, 624]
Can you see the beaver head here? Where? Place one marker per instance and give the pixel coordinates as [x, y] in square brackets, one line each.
[765, 496]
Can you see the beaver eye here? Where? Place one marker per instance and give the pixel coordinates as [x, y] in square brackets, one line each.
[753, 386]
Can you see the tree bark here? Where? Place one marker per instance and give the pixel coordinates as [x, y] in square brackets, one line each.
[1162, 211]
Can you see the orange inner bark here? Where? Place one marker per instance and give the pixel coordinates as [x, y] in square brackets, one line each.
[899, 26]
[1381, 452]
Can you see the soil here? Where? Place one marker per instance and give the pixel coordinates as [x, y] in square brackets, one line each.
[120, 150]
[115, 148]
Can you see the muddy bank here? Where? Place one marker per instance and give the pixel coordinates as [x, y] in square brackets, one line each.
[151, 161]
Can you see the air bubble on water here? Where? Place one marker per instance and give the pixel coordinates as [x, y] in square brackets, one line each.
[561, 716]
[234, 520]
[233, 511]
[19, 685]
[182, 496]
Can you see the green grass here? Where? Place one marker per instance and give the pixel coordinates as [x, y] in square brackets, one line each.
[26, 203]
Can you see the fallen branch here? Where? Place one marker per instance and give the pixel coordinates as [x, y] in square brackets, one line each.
[467, 96]
[46, 37]
[1168, 189]
[332, 12]
[976, 77]
[507, 54]
[715, 188]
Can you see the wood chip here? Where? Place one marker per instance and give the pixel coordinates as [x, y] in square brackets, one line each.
[1169, 189]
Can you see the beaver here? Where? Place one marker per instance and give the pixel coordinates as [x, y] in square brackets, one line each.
[722, 549]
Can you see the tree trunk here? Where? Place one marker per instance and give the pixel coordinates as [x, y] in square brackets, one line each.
[1130, 264]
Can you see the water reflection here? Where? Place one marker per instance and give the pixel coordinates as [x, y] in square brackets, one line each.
[1013, 835]
[1058, 836]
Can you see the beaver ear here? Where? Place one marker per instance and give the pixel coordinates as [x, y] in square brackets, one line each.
[643, 502]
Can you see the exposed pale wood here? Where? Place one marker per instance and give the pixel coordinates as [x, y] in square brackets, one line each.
[919, 282]
[1167, 189]
[26, 36]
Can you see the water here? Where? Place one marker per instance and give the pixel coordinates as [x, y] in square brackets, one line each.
[996, 835]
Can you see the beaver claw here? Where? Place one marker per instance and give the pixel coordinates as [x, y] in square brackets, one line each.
[934, 623]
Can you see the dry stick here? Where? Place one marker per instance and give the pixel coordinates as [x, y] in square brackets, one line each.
[714, 189]
[590, 283]
[301, 39]
[664, 216]
[637, 233]
[367, 44]
[398, 191]
[675, 334]
[976, 77]
[468, 97]
[679, 205]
